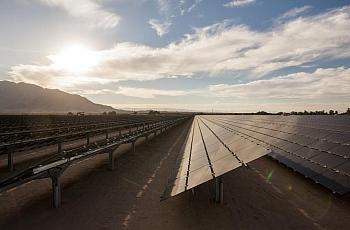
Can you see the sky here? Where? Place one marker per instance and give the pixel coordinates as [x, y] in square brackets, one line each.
[198, 55]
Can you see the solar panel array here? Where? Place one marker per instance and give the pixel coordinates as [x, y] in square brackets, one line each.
[16, 137]
[209, 152]
[60, 161]
[316, 146]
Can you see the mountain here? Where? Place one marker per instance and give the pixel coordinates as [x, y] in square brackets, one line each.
[28, 98]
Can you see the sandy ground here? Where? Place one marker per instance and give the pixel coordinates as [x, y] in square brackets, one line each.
[265, 196]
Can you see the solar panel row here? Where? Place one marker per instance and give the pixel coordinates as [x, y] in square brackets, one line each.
[320, 154]
[209, 152]
[331, 123]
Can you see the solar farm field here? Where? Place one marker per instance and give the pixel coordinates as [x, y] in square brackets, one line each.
[175, 171]
[87, 135]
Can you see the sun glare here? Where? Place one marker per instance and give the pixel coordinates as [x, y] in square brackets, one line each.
[75, 59]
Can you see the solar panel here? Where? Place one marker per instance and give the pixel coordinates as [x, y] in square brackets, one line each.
[225, 164]
[307, 153]
[344, 168]
[339, 137]
[315, 146]
[342, 150]
[335, 181]
[198, 177]
[291, 147]
[323, 145]
[210, 151]
[328, 160]
[176, 186]
[310, 169]
[284, 157]
[305, 140]
[310, 145]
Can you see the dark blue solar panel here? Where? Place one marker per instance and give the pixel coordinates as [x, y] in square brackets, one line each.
[329, 160]
[335, 181]
[316, 146]
[339, 137]
[342, 150]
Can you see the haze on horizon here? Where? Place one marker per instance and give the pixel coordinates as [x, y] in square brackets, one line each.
[223, 56]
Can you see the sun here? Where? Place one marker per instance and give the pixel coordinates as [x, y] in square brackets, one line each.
[75, 59]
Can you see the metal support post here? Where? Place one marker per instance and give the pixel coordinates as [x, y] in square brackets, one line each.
[56, 189]
[219, 190]
[129, 130]
[10, 160]
[87, 139]
[120, 132]
[59, 146]
[111, 160]
[55, 175]
[133, 146]
[106, 134]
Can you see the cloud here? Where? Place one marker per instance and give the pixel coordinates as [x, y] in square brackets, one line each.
[89, 11]
[294, 12]
[149, 93]
[194, 5]
[238, 3]
[170, 9]
[163, 6]
[322, 83]
[138, 92]
[181, 7]
[221, 47]
[160, 27]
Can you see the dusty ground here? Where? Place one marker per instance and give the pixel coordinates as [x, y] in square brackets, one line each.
[265, 196]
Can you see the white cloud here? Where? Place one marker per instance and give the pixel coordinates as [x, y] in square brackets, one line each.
[160, 27]
[194, 5]
[214, 49]
[238, 3]
[294, 12]
[149, 93]
[163, 6]
[137, 92]
[89, 11]
[322, 83]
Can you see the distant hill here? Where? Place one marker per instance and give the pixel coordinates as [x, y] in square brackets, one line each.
[29, 98]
